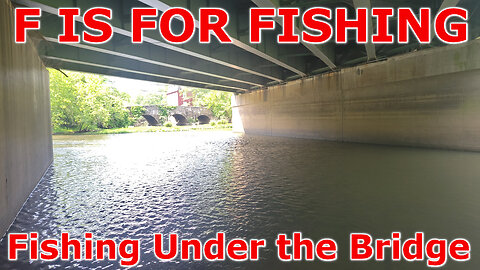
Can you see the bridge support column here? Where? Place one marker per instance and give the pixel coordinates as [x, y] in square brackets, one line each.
[25, 128]
[429, 98]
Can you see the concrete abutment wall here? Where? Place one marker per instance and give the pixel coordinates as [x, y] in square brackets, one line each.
[429, 98]
[25, 128]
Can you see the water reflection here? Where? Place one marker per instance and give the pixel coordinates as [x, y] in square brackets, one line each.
[199, 183]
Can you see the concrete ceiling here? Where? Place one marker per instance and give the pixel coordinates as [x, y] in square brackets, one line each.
[236, 67]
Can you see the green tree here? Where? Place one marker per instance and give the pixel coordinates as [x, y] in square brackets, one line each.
[86, 102]
[218, 102]
[157, 98]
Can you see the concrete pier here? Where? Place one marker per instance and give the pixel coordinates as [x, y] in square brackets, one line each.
[25, 129]
[428, 98]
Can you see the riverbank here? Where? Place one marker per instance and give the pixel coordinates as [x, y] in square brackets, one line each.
[143, 129]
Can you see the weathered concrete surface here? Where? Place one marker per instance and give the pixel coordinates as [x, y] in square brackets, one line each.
[25, 129]
[429, 98]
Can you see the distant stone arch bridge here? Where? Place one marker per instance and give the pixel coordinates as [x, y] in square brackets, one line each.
[181, 115]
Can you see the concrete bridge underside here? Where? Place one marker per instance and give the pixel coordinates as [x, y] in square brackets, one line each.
[238, 67]
[401, 94]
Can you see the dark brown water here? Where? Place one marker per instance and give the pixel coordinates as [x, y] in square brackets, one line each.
[199, 183]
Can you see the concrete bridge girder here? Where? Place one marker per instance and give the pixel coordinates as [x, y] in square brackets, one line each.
[206, 58]
[238, 67]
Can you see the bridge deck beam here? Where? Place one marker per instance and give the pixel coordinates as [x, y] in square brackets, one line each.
[242, 62]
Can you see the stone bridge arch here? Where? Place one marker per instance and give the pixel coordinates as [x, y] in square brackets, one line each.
[152, 115]
[203, 119]
[181, 115]
[180, 120]
[192, 114]
[152, 121]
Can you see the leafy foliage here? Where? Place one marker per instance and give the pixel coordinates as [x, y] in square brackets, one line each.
[137, 111]
[217, 101]
[85, 102]
[164, 112]
[222, 122]
[158, 98]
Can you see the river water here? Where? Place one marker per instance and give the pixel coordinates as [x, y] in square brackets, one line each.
[199, 183]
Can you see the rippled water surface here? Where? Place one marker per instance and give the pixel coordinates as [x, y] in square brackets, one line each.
[199, 183]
